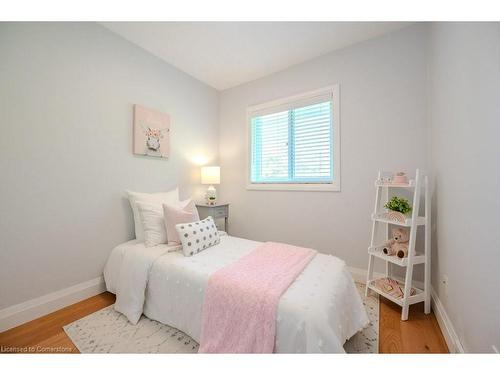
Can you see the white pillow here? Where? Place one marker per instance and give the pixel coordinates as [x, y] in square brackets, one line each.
[153, 221]
[155, 199]
[153, 225]
[173, 215]
[197, 236]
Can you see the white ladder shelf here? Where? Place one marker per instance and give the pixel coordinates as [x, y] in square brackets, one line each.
[420, 182]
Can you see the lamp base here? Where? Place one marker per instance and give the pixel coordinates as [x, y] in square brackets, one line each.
[211, 196]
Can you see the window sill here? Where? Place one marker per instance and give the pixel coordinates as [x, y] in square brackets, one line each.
[295, 187]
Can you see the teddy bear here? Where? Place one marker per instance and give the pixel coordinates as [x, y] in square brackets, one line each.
[398, 244]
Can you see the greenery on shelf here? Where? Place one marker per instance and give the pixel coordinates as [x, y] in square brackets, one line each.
[399, 204]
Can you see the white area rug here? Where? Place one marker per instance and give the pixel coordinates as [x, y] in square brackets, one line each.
[366, 341]
[107, 331]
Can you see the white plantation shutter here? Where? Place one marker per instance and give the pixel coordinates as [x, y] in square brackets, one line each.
[312, 149]
[270, 151]
[293, 142]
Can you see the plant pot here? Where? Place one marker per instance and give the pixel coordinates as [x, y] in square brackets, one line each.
[396, 216]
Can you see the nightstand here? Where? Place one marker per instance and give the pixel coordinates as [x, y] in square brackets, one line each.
[218, 211]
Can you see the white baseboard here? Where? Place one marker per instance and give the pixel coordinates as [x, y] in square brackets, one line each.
[450, 336]
[449, 333]
[16, 315]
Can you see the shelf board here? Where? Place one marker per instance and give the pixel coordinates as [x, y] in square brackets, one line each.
[410, 184]
[419, 295]
[377, 251]
[383, 219]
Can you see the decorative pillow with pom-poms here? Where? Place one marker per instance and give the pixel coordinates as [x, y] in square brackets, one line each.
[197, 236]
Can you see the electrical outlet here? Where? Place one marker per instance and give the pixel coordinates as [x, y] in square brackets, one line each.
[494, 348]
[445, 283]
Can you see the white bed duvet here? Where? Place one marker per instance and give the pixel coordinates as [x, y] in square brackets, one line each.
[317, 314]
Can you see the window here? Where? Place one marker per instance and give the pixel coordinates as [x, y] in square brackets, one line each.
[294, 143]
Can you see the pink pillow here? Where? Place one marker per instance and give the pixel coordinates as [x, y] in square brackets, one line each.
[174, 215]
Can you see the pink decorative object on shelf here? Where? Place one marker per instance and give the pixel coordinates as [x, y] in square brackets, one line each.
[392, 287]
[400, 178]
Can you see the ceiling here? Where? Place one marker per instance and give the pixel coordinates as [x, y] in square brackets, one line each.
[227, 54]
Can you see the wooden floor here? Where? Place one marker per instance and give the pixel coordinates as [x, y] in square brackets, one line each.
[420, 334]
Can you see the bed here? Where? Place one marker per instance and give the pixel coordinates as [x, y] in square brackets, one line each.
[317, 313]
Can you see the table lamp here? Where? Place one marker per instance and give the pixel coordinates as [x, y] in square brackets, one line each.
[210, 176]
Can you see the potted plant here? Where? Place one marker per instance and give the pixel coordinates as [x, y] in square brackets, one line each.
[398, 209]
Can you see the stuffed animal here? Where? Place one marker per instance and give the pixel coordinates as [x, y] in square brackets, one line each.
[398, 244]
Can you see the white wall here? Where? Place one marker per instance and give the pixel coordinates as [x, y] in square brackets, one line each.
[465, 155]
[383, 125]
[66, 97]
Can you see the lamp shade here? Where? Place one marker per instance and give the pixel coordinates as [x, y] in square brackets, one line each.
[210, 175]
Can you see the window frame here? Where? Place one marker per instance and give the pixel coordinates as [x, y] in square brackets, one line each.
[332, 90]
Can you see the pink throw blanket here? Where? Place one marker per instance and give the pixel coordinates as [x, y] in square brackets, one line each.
[241, 300]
